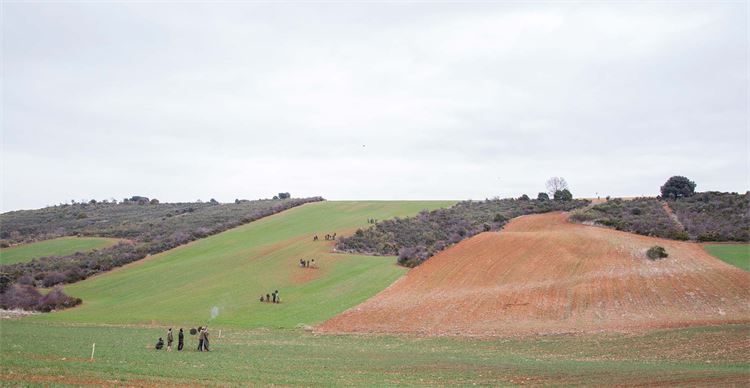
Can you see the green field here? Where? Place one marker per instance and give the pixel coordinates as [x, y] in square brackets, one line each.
[59, 353]
[232, 269]
[736, 254]
[126, 310]
[56, 247]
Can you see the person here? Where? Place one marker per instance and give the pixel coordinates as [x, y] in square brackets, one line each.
[273, 295]
[159, 344]
[180, 340]
[261, 298]
[313, 263]
[276, 297]
[268, 297]
[315, 238]
[200, 338]
[170, 339]
[333, 237]
[205, 338]
[301, 263]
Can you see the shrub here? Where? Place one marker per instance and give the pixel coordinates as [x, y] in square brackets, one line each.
[20, 297]
[53, 278]
[542, 197]
[678, 187]
[56, 300]
[563, 195]
[656, 252]
[523, 198]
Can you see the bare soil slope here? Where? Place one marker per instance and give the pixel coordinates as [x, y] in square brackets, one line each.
[542, 274]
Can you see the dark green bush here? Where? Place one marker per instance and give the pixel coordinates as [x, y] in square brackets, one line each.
[656, 252]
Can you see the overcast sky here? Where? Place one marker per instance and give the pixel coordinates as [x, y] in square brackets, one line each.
[370, 101]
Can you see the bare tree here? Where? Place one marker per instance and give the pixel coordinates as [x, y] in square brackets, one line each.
[556, 183]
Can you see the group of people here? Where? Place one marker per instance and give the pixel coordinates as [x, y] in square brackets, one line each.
[372, 221]
[307, 263]
[271, 298]
[202, 339]
[328, 237]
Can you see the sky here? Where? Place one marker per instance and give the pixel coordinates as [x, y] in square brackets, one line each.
[372, 100]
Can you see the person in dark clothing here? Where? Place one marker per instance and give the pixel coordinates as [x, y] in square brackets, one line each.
[200, 338]
[262, 298]
[276, 297]
[273, 296]
[315, 238]
[268, 297]
[205, 339]
[159, 344]
[180, 340]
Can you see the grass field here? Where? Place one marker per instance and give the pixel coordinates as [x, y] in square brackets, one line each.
[736, 254]
[126, 310]
[56, 247]
[44, 354]
[231, 270]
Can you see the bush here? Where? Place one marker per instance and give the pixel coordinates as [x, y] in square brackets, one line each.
[53, 278]
[542, 197]
[678, 187]
[563, 195]
[56, 300]
[523, 198]
[656, 252]
[20, 297]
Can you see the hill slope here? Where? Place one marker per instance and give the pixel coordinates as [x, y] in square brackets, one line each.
[55, 247]
[232, 269]
[543, 274]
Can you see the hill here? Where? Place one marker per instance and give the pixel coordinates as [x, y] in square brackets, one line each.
[230, 270]
[61, 246]
[148, 227]
[542, 274]
[415, 239]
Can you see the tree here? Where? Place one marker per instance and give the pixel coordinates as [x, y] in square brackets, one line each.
[563, 195]
[556, 184]
[678, 187]
[284, 195]
[542, 197]
[154, 201]
[523, 198]
[213, 201]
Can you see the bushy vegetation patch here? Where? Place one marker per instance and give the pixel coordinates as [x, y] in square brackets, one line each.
[709, 216]
[644, 216]
[714, 216]
[149, 227]
[26, 297]
[415, 239]
[656, 252]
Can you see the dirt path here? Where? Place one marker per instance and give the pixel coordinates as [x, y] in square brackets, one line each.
[543, 274]
[671, 215]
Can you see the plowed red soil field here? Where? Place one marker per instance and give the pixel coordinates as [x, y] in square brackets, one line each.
[544, 275]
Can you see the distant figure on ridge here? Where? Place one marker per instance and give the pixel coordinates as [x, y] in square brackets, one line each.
[180, 340]
[159, 344]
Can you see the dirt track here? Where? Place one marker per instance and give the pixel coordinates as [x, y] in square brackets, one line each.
[543, 275]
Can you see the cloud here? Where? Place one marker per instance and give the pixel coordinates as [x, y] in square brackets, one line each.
[449, 100]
